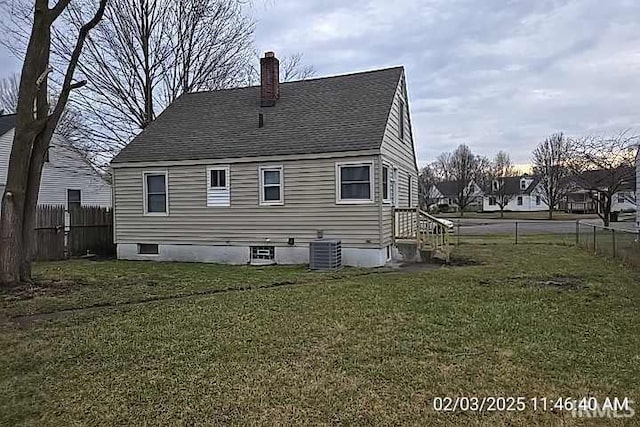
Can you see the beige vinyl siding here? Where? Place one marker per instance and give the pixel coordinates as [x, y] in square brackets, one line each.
[400, 154]
[309, 188]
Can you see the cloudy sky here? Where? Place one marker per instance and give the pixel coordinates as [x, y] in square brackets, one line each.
[495, 74]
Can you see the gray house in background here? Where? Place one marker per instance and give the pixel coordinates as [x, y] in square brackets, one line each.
[66, 178]
[253, 175]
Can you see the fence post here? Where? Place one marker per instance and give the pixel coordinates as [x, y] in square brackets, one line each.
[577, 232]
[516, 232]
[613, 238]
[458, 233]
[594, 240]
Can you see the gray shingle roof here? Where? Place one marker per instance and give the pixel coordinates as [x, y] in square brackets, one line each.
[330, 114]
[7, 123]
[512, 185]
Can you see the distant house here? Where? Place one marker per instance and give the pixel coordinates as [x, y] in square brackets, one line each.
[66, 178]
[445, 194]
[255, 174]
[521, 192]
[581, 200]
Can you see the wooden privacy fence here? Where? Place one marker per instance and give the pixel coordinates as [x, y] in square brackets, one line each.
[82, 230]
[48, 235]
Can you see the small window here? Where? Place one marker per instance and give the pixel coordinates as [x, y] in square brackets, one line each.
[401, 114]
[621, 197]
[271, 185]
[155, 189]
[496, 185]
[386, 183]
[538, 200]
[74, 199]
[218, 191]
[354, 183]
[519, 200]
[492, 201]
[147, 249]
[218, 178]
[262, 253]
[523, 185]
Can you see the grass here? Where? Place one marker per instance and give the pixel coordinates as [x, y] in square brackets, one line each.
[527, 320]
[83, 284]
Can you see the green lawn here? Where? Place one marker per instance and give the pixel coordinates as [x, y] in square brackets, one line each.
[353, 348]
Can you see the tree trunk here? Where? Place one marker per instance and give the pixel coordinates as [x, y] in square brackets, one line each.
[550, 213]
[502, 213]
[12, 255]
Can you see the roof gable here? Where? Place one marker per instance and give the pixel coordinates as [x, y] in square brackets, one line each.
[332, 114]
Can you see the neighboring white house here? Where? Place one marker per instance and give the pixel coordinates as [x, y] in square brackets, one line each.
[522, 194]
[445, 193]
[253, 175]
[66, 178]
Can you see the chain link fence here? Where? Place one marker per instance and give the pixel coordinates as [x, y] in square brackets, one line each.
[610, 241]
[614, 242]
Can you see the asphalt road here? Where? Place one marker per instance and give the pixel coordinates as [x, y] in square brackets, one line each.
[475, 226]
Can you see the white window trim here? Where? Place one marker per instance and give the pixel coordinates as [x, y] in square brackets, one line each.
[261, 171]
[226, 189]
[372, 187]
[144, 192]
[225, 168]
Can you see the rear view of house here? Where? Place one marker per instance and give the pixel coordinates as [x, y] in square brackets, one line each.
[66, 178]
[255, 174]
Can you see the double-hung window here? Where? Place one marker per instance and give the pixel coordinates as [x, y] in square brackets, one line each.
[271, 185]
[74, 199]
[354, 182]
[156, 200]
[218, 193]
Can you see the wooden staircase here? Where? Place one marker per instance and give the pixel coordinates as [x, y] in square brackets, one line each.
[430, 235]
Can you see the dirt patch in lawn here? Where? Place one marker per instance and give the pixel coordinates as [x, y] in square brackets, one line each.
[567, 283]
[462, 261]
[25, 291]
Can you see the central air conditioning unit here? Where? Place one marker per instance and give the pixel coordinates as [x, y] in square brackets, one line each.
[325, 255]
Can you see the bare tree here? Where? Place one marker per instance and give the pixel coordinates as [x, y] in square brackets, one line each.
[603, 166]
[464, 168]
[9, 87]
[292, 68]
[70, 127]
[35, 125]
[501, 168]
[551, 162]
[427, 179]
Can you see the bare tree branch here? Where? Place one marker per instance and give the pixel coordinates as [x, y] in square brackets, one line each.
[550, 161]
[603, 166]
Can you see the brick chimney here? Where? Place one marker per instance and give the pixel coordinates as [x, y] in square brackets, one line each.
[269, 80]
